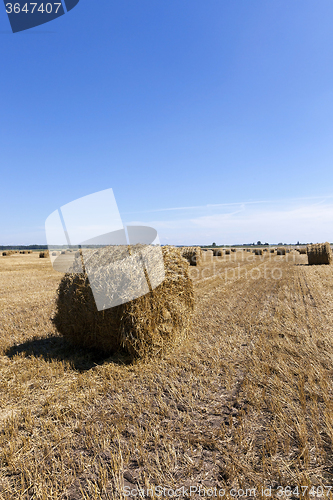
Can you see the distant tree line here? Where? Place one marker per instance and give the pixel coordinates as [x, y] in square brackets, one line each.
[23, 247]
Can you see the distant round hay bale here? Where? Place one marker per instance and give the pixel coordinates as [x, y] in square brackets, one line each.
[44, 255]
[319, 253]
[54, 254]
[302, 251]
[217, 252]
[227, 252]
[146, 326]
[63, 252]
[192, 254]
[272, 250]
[233, 249]
[258, 251]
[248, 249]
[281, 251]
[8, 253]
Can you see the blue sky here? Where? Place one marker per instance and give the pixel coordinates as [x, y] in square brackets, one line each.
[172, 104]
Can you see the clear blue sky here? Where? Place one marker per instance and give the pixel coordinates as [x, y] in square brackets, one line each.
[172, 103]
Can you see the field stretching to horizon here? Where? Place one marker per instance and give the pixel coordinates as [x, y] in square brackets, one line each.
[244, 403]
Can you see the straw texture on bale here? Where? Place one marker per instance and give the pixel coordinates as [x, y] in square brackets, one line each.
[280, 251]
[258, 251]
[192, 254]
[319, 253]
[146, 326]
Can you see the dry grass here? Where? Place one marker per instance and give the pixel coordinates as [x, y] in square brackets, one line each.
[245, 402]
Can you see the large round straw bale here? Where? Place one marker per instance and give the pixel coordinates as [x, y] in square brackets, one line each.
[281, 251]
[192, 254]
[319, 253]
[258, 251]
[146, 326]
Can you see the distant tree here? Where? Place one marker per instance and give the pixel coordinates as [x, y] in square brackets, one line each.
[214, 245]
[266, 243]
[259, 242]
[297, 243]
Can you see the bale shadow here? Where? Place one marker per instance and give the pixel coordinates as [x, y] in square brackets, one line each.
[56, 348]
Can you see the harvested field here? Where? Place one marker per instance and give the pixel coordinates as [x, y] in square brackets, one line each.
[245, 402]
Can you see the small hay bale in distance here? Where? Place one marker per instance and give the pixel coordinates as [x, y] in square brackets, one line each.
[44, 255]
[227, 252]
[8, 253]
[233, 249]
[281, 251]
[258, 251]
[217, 252]
[192, 254]
[272, 250]
[302, 251]
[320, 253]
[147, 326]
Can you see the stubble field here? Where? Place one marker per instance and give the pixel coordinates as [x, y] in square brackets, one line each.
[246, 402]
